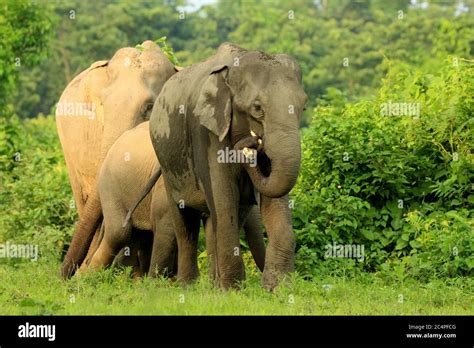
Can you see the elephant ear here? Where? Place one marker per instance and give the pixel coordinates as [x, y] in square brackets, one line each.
[290, 63]
[99, 64]
[213, 106]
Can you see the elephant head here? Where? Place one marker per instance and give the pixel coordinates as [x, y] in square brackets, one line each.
[134, 79]
[258, 99]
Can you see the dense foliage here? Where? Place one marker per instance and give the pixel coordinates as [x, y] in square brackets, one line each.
[24, 33]
[401, 185]
[37, 201]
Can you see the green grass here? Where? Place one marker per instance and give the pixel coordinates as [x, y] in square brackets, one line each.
[35, 288]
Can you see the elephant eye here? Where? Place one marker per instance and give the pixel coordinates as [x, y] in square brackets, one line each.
[256, 109]
[146, 109]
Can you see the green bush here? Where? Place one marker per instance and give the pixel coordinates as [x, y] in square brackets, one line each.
[36, 196]
[367, 173]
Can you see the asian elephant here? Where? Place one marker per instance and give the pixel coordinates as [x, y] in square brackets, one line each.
[128, 166]
[96, 107]
[206, 116]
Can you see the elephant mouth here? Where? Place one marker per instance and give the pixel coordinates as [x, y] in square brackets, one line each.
[264, 163]
[253, 148]
[272, 171]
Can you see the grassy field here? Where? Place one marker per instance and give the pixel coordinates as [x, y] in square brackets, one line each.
[34, 288]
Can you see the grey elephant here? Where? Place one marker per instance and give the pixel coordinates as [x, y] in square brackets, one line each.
[128, 166]
[235, 102]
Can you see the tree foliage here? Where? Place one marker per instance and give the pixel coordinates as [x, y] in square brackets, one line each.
[24, 34]
[339, 44]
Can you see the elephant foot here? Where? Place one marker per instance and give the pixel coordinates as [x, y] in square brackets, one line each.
[230, 281]
[229, 285]
[272, 277]
[162, 272]
[85, 269]
[68, 270]
[137, 273]
[188, 278]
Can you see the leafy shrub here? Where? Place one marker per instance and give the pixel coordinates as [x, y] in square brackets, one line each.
[36, 195]
[366, 175]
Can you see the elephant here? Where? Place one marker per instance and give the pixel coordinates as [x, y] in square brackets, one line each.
[240, 102]
[96, 107]
[128, 166]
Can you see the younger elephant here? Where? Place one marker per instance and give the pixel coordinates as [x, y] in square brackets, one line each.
[126, 170]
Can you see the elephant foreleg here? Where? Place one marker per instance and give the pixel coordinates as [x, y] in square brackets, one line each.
[211, 249]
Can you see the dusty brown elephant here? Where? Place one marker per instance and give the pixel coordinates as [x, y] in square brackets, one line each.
[97, 106]
[128, 166]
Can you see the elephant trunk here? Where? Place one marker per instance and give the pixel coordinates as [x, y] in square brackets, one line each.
[254, 235]
[278, 164]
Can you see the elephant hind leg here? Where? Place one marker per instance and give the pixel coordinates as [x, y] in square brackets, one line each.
[137, 253]
[115, 238]
[145, 243]
[163, 259]
[96, 240]
[186, 223]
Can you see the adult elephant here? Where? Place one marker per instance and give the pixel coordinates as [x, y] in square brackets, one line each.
[236, 100]
[96, 107]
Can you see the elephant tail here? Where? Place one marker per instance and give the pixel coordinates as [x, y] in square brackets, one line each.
[83, 235]
[154, 178]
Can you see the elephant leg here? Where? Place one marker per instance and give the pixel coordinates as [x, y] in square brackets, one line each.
[96, 239]
[144, 251]
[279, 259]
[230, 269]
[254, 235]
[115, 238]
[186, 226]
[164, 246]
[211, 249]
[75, 180]
[83, 235]
[223, 197]
[128, 256]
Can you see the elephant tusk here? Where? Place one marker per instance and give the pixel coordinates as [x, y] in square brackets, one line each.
[249, 153]
[259, 141]
[252, 133]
